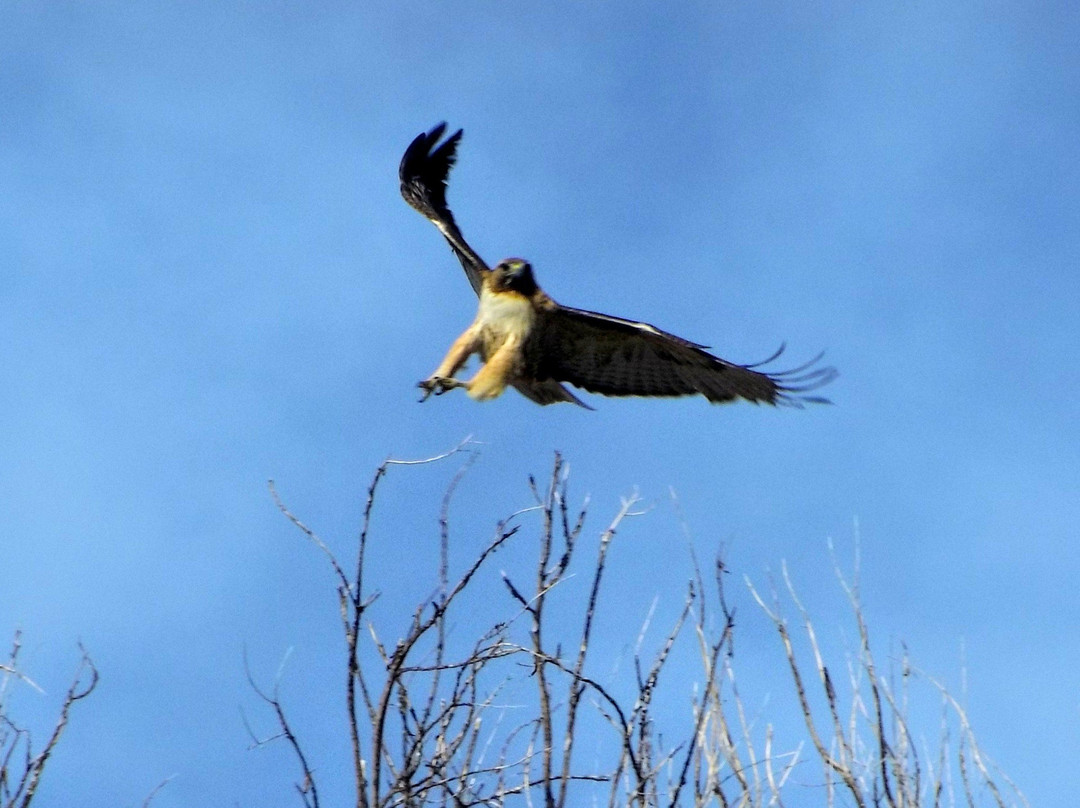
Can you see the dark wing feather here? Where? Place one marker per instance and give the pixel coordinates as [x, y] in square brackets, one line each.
[547, 391]
[424, 171]
[616, 357]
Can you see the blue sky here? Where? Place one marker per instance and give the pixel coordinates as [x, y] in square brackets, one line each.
[212, 281]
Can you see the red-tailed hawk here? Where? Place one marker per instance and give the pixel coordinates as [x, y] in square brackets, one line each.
[533, 344]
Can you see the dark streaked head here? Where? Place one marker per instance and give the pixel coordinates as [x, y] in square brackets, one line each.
[514, 275]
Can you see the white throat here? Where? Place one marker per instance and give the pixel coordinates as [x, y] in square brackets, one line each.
[507, 313]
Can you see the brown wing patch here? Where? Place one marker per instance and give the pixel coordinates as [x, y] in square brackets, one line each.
[616, 357]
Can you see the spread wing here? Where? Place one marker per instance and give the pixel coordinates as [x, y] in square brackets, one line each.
[616, 357]
[424, 170]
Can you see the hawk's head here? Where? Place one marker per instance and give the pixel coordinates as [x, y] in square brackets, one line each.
[514, 275]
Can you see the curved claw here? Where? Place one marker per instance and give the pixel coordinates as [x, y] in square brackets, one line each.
[429, 387]
[437, 385]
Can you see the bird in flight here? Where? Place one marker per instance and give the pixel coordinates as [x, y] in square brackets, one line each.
[531, 343]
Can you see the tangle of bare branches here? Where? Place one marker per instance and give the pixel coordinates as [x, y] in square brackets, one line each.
[21, 767]
[427, 714]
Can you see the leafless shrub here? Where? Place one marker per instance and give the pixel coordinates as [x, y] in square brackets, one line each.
[21, 766]
[427, 718]
[864, 742]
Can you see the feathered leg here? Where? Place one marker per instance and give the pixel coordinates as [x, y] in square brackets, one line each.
[443, 378]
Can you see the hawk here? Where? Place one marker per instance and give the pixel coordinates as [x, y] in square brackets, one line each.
[531, 343]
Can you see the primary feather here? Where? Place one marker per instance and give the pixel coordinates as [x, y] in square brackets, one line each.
[424, 171]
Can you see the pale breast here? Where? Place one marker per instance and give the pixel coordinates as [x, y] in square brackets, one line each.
[503, 316]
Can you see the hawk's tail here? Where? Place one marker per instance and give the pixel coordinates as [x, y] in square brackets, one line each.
[548, 391]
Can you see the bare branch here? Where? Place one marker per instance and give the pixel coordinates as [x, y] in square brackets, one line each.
[306, 788]
[156, 790]
[22, 793]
